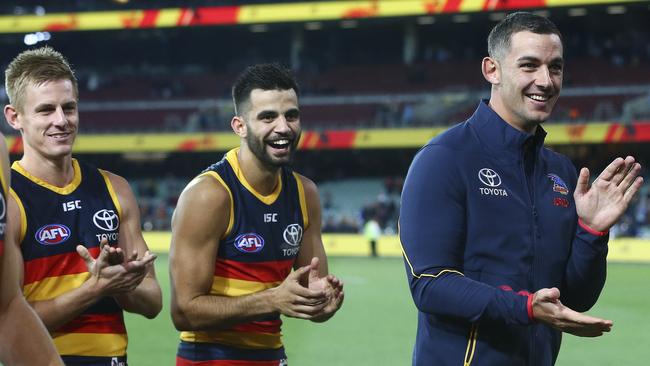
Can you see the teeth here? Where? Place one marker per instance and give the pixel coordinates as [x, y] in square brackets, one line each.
[282, 142]
[539, 98]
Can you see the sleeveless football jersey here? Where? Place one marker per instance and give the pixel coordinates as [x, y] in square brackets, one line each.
[257, 252]
[54, 220]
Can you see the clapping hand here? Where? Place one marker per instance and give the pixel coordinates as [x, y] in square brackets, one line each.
[600, 205]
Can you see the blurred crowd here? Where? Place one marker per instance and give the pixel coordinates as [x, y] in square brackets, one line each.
[158, 198]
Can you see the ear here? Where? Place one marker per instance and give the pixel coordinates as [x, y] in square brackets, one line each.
[238, 125]
[11, 115]
[491, 70]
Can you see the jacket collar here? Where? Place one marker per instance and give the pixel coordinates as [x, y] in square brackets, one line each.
[497, 136]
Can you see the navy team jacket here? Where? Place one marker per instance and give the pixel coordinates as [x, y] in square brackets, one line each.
[487, 218]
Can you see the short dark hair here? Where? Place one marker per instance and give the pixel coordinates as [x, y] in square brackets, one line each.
[499, 38]
[262, 76]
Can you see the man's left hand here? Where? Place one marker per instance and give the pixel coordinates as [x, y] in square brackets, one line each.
[600, 205]
[333, 288]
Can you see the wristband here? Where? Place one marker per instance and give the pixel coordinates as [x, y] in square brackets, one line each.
[529, 307]
[590, 230]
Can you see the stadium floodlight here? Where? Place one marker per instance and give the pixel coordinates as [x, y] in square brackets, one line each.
[31, 39]
[616, 9]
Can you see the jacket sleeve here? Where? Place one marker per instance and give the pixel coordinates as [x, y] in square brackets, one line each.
[432, 235]
[586, 268]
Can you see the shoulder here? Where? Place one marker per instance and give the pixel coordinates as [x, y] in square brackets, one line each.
[206, 190]
[308, 185]
[458, 137]
[119, 183]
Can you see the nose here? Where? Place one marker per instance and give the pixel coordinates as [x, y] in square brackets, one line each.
[59, 118]
[543, 79]
[282, 125]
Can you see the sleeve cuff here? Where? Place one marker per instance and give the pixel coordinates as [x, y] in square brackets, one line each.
[529, 307]
[590, 230]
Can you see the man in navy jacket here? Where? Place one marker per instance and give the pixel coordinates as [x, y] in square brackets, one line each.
[504, 245]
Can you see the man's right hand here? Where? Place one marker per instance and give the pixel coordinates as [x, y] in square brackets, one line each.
[112, 279]
[548, 309]
[294, 300]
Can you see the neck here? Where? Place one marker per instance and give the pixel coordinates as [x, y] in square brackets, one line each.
[57, 172]
[498, 107]
[261, 177]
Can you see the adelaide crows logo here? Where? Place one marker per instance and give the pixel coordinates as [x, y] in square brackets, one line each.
[558, 184]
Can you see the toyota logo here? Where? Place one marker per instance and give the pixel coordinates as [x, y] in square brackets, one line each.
[489, 177]
[293, 234]
[106, 220]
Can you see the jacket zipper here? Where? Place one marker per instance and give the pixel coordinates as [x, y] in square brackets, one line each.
[534, 233]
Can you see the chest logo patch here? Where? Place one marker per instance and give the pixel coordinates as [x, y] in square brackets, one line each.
[249, 243]
[106, 220]
[293, 234]
[52, 234]
[558, 184]
[489, 177]
[492, 180]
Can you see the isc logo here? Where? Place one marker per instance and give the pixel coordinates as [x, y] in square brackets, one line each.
[249, 243]
[52, 234]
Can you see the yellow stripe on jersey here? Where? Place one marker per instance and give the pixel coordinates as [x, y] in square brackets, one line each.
[69, 188]
[23, 215]
[303, 200]
[231, 157]
[112, 192]
[231, 220]
[91, 344]
[236, 339]
[52, 287]
[223, 286]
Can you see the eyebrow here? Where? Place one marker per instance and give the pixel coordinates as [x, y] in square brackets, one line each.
[535, 59]
[44, 106]
[266, 113]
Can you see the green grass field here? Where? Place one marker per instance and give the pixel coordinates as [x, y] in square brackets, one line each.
[376, 325]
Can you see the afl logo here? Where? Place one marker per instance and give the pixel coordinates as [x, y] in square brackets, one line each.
[249, 243]
[293, 235]
[489, 177]
[52, 234]
[106, 220]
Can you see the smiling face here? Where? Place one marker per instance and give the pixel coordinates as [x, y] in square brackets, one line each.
[271, 126]
[48, 118]
[527, 80]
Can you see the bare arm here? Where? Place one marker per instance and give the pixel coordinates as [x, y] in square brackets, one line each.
[146, 298]
[312, 253]
[200, 220]
[18, 322]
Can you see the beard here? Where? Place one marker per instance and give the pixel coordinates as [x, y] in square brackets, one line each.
[258, 147]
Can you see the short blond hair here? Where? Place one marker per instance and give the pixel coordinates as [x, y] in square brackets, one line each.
[36, 66]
